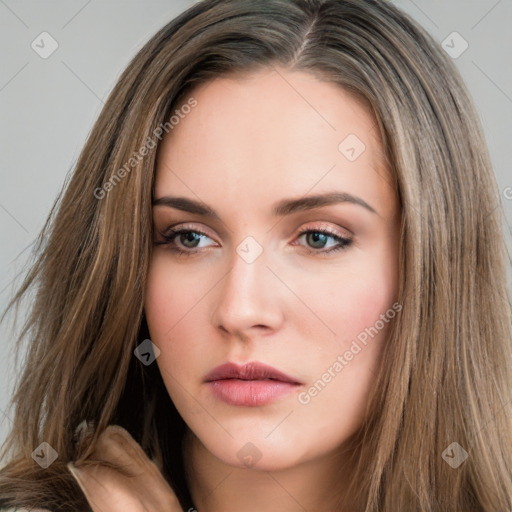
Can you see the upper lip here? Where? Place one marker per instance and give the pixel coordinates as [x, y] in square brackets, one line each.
[248, 371]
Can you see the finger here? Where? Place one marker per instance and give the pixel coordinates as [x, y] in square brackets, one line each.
[104, 487]
[116, 445]
[103, 492]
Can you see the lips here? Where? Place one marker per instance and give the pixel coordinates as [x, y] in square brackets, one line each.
[249, 371]
[253, 384]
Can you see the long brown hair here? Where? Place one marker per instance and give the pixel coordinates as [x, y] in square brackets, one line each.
[446, 374]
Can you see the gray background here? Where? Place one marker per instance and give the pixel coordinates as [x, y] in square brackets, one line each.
[48, 106]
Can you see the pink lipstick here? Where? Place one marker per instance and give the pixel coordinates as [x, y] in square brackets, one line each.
[252, 384]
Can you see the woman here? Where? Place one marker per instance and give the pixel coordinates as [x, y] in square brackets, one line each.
[275, 281]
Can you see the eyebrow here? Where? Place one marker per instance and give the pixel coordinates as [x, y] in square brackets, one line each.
[282, 208]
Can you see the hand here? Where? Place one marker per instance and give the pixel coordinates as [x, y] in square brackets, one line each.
[108, 490]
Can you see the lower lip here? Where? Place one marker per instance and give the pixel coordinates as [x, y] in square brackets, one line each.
[250, 392]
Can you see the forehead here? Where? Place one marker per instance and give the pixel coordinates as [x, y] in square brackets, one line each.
[270, 134]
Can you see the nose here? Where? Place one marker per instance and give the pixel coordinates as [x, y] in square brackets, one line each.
[248, 300]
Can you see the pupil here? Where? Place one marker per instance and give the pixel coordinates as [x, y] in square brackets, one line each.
[189, 237]
[318, 237]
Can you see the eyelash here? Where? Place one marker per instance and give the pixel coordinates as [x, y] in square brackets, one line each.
[171, 234]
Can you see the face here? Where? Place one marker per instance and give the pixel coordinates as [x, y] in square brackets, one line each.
[268, 274]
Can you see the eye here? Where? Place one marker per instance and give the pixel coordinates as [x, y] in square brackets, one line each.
[188, 238]
[318, 238]
[185, 241]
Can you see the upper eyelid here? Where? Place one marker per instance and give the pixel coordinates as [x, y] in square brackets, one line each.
[300, 231]
[186, 227]
[330, 230]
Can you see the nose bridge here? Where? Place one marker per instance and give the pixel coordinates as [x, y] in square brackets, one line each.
[246, 298]
[248, 270]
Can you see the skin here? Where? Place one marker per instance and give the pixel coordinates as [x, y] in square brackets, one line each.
[251, 142]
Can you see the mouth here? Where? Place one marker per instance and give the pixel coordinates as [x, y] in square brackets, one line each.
[253, 384]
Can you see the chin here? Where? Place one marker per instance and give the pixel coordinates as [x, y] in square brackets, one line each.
[257, 454]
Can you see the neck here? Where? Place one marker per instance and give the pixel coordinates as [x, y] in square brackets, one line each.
[217, 487]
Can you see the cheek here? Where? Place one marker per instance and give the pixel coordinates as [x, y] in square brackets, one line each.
[171, 296]
[175, 312]
[356, 304]
[365, 297]
[349, 300]
[169, 307]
